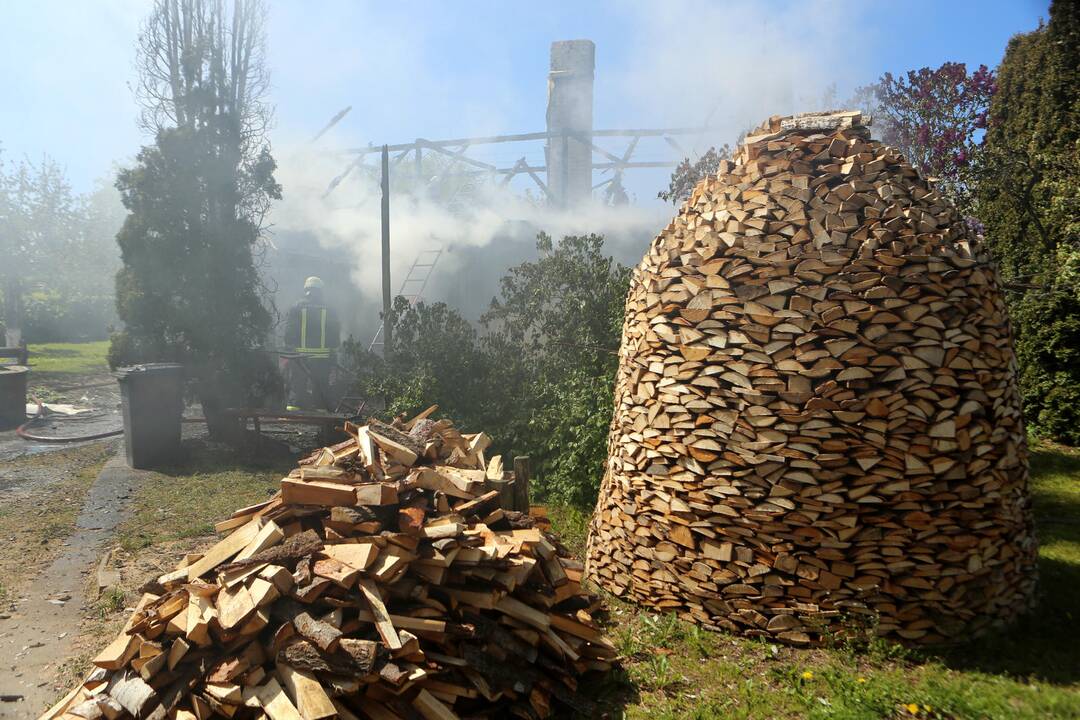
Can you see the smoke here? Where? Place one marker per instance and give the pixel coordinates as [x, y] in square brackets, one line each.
[731, 65]
[481, 227]
[685, 63]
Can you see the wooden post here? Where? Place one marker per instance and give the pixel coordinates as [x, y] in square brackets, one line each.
[387, 298]
[521, 483]
[12, 312]
[506, 491]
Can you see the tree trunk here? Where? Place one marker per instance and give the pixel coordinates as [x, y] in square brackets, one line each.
[218, 393]
[12, 312]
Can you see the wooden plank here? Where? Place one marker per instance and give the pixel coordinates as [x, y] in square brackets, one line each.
[356, 555]
[383, 623]
[432, 708]
[224, 550]
[234, 605]
[375, 494]
[520, 611]
[317, 492]
[132, 692]
[308, 695]
[177, 651]
[424, 625]
[117, 653]
[421, 416]
[522, 475]
[275, 702]
[433, 478]
[269, 535]
[395, 451]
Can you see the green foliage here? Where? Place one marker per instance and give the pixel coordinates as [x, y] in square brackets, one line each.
[688, 174]
[1028, 198]
[935, 117]
[436, 358]
[538, 379]
[111, 601]
[189, 290]
[571, 524]
[55, 314]
[556, 330]
[188, 286]
[58, 247]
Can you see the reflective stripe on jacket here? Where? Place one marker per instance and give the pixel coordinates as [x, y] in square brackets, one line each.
[312, 329]
[310, 348]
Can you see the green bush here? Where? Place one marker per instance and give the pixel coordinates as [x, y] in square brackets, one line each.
[189, 291]
[1048, 348]
[539, 378]
[435, 358]
[1027, 197]
[66, 315]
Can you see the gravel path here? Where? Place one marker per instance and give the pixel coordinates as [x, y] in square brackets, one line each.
[36, 634]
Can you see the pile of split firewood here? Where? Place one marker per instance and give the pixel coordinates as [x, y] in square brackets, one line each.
[384, 580]
[816, 413]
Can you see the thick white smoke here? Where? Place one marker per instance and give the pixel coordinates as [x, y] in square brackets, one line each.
[348, 220]
[685, 63]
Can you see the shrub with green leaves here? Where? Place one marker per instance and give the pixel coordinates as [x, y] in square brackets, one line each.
[1028, 198]
[189, 290]
[538, 378]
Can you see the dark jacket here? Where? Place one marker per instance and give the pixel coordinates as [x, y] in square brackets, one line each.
[312, 328]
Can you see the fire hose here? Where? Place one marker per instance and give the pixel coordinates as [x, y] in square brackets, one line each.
[23, 431]
[43, 416]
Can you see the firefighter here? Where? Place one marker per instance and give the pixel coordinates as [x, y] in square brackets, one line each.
[312, 332]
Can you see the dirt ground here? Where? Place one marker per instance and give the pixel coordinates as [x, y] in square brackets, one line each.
[57, 506]
[41, 497]
[97, 390]
[42, 610]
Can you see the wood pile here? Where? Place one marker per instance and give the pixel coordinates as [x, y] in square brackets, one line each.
[384, 580]
[817, 422]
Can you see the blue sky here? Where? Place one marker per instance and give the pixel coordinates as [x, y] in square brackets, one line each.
[446, 69]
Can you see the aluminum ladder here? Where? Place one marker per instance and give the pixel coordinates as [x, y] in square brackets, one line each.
[412, 287]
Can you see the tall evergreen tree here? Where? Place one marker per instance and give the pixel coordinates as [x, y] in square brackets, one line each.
[189, 289]
[1029, 201]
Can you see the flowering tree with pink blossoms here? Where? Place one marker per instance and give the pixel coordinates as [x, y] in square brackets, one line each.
[937, 118]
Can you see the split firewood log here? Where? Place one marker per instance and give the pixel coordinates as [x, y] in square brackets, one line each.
[817, 421]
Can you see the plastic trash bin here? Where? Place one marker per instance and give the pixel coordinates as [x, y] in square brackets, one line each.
[152, 396]
[13, 395]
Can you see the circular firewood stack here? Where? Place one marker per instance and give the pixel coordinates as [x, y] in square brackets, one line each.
[817, 422]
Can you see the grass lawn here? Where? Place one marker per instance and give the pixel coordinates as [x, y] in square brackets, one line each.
[185, 501]
[69, 358]
[1032, 670]
[674, 670]
[34, 522]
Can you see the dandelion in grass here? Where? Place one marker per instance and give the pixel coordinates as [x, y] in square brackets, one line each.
[807, 675]
[912, 708]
